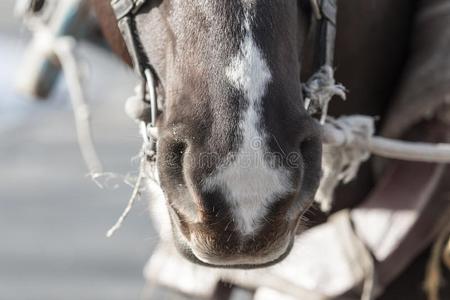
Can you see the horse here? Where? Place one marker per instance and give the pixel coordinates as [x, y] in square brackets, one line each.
[239, 157]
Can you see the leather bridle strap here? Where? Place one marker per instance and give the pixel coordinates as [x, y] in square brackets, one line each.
[324, 27]
[124, 11]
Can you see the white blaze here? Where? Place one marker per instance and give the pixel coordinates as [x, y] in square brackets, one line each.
[248, 182]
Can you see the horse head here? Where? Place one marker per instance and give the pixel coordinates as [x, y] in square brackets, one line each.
[239, 158]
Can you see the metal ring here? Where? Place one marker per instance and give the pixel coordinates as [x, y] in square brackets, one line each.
[152, 93]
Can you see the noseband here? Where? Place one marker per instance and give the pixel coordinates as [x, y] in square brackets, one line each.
[144, 107]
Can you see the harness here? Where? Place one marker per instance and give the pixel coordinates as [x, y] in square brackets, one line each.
[144, 107]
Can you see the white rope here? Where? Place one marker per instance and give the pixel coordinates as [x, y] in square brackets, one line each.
[63, 48]
[134, 196]
[389, 148]
[319, 91]
[349, 141]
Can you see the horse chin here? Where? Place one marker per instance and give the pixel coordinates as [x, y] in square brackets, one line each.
[187, 253]
[250, 262]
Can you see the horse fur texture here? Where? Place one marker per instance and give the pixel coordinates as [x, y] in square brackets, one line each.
[392, 58]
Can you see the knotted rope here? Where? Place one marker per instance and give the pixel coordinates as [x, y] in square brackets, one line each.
[140, 112]
[319, 90]
[341, 162]
[349, 141]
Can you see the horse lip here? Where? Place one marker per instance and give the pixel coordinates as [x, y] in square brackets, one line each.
[183, 247]
[247, 260]
[187, 253]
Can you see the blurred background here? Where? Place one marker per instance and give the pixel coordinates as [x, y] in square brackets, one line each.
[53, 218]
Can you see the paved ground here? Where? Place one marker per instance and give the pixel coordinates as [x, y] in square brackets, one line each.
[52, 218]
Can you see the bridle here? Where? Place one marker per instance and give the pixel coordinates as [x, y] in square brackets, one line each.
[125, 11]
[324, 33]
[324, 30]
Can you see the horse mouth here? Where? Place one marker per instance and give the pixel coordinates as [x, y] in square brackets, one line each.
[189, 254]
[247, 261]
